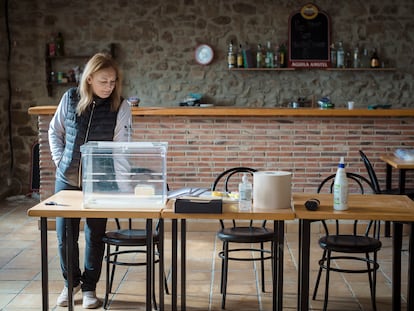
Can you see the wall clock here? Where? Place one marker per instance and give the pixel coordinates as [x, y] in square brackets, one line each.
[204, 54]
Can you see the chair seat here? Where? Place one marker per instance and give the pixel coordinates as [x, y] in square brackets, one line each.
[246, 234]
[350, 243]
[128, 237]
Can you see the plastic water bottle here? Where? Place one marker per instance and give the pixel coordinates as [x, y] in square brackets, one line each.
[341, 188]
[245, 194]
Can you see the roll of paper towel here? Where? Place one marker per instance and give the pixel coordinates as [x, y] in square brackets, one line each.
[272, 190]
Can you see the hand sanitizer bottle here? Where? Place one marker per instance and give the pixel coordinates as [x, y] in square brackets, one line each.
[245, 194]
[341, 188]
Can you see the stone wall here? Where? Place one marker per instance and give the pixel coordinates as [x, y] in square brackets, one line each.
[155, 42]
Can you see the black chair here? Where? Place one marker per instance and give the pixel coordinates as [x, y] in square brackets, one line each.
[377, 189]
[349, 246]
[241, 233]
[134, 241]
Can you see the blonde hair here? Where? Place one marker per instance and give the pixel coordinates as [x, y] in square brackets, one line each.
[97, 62]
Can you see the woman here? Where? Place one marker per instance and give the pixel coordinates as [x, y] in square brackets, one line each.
[92, 112]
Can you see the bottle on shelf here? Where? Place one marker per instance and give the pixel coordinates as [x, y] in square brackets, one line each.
[365, 59]
[276, 55]
[52, 46]
[231, 57]
[340, 56]
[240, 63]
[245, 194]
[356, 60]
[259, 57]
[333, 55]
[340, 191]
[348, 59]
[269, 56]
[375, 63]
[282, 56]
[60, 46]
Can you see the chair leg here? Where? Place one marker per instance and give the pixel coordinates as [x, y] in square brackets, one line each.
[222, 268]
[224, 275]
[108, 251]
[262, 266]
[374, 285]
[328, 268]
[318, 279]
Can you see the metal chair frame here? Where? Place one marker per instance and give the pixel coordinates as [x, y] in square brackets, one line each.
[241, 234]
[351, 244]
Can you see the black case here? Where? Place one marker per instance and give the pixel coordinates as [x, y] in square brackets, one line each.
[198, 206]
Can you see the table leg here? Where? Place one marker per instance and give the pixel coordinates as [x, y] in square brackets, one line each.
[388, 186]
[410, 289]
[45, 272]
[183, 264]
[303, 270]
[280, 234]
[161, 262]
[174, 264]
[401, 181]
[69, 260]
[396, 266]
[388, 178]
[149, 265]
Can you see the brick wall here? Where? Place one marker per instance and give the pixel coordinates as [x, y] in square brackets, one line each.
[201, 147]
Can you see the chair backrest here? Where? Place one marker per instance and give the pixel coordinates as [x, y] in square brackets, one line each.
[371, 173]
[224, 178]
[223, 181]
[356, 184]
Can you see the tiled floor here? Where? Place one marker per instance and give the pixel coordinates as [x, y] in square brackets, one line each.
[20, 283]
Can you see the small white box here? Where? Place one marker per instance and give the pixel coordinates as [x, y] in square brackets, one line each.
[124, 174]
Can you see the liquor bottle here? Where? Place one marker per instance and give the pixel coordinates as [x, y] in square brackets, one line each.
[60, 47]
[52, 46]
[333, 55]
[356, 60]
[259, 56]
[269, 56]
[276, 57]
[245, 194]
[340, 56]
[375, 63]
[231, 57]
[282, 56]
[240, 57]
[348, 60]
[365, 59]
[340, 188]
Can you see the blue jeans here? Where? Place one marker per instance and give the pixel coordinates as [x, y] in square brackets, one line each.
[94, 247]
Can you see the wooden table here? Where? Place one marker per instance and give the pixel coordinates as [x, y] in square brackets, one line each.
[70, 205]
[230, 211]
[402, 165]
[361, 207]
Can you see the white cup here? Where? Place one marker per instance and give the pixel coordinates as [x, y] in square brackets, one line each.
[350, 105]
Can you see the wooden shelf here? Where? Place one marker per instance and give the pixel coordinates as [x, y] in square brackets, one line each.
[251, 112]
[325, 69]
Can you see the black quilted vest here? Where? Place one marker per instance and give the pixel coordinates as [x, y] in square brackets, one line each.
[97, 123]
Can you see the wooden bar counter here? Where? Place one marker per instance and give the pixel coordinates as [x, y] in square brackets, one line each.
[253, 112]
[203, 142]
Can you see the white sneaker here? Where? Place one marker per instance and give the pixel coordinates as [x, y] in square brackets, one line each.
[90, 301]
[63, 298]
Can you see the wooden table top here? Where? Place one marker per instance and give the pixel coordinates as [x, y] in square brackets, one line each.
[70, 205]
[397, 162]
[361, 207]
[230, 211]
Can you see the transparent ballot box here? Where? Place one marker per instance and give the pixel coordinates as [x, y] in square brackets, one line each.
[124, 174]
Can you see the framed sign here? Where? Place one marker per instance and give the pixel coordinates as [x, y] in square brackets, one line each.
[309, 38]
